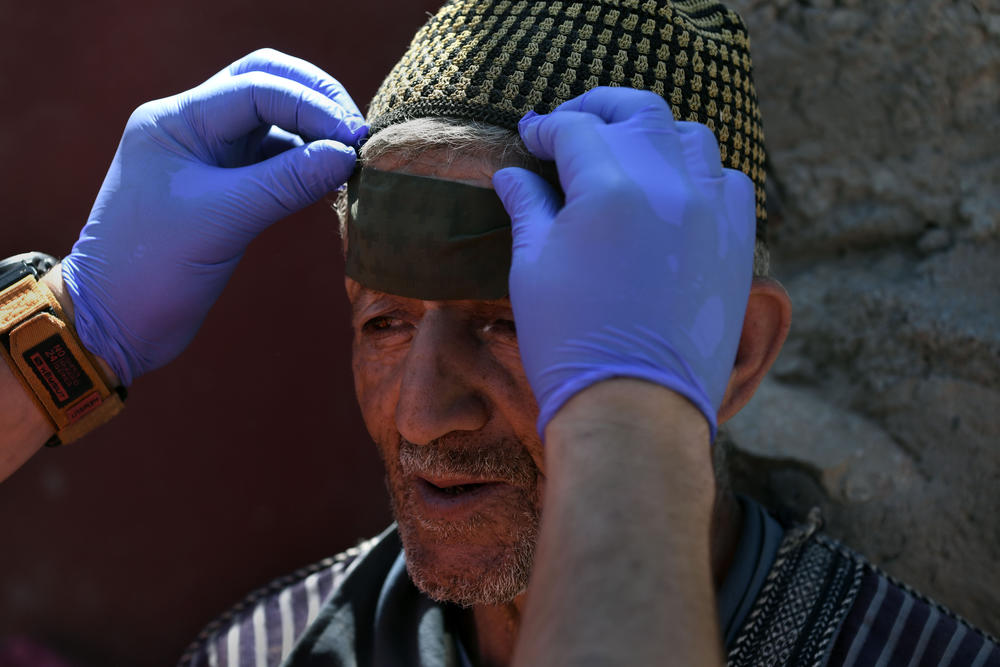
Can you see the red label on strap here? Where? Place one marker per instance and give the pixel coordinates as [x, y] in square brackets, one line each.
[48, 377]
[89, 403]
[58, 370]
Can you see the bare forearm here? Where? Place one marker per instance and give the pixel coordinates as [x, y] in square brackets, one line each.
[23, 428]
[622, 572]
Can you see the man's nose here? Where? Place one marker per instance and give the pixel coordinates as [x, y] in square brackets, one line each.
[439, 392]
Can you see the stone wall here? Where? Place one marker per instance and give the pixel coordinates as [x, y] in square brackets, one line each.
[883, 127]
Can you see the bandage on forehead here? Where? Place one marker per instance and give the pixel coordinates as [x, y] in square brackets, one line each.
[426, 238]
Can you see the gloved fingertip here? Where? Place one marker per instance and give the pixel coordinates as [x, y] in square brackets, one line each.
[297, 178]
[330, 161]
[740, 202]
[357, 126]
[503, 180]
[527, 120]
[530, 202]
[509, 185]
[332, 145]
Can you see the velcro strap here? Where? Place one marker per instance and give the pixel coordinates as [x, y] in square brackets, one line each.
[51, 362]
[22, 300]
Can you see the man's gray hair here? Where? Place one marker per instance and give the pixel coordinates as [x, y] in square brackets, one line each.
[407, 141]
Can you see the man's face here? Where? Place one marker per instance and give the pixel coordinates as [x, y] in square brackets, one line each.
[445, 398]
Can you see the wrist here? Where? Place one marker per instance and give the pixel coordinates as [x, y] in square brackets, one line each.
[53, 389]
[629, 481]
[54, 281]
[625, 417]
[629, 405]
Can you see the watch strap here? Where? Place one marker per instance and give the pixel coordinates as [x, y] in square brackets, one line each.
[47, 357]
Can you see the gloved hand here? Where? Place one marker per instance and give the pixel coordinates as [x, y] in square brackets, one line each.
[645, 271]
[196, 177]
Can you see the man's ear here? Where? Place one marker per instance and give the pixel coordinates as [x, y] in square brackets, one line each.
[765, 327]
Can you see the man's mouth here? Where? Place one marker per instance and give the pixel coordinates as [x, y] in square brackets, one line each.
[458, 488]
[456, 499]
[454, 486]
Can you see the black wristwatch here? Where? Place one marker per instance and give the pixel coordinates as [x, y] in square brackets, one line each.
[14, 268]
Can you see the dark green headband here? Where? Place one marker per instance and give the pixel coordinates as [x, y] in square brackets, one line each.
[426, 238]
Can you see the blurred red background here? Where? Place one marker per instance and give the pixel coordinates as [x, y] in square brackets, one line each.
[246, 457]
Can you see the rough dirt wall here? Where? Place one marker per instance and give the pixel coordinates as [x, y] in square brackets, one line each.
[883, 127]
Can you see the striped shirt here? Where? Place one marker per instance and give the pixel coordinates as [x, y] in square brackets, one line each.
[822, 605]
[261, 630]
[891, 626]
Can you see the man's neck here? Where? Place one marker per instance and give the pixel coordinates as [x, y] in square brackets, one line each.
[727, 528]
[493, 631]
[489, 632]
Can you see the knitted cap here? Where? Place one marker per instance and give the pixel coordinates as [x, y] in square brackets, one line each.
[494, 60]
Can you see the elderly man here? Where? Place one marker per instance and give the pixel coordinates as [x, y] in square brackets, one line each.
[617, 148]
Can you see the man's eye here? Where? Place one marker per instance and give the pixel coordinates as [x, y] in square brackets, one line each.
[382, 325]
[502, 327]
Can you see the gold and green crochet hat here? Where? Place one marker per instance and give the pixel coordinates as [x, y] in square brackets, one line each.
[494, 60]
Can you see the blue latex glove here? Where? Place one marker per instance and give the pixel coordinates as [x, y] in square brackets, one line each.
[196, 177]
[645, 271]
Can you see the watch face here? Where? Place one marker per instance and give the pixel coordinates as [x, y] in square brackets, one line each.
[14, 268]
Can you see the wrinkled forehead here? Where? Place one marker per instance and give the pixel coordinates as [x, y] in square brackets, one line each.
[426, 237]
